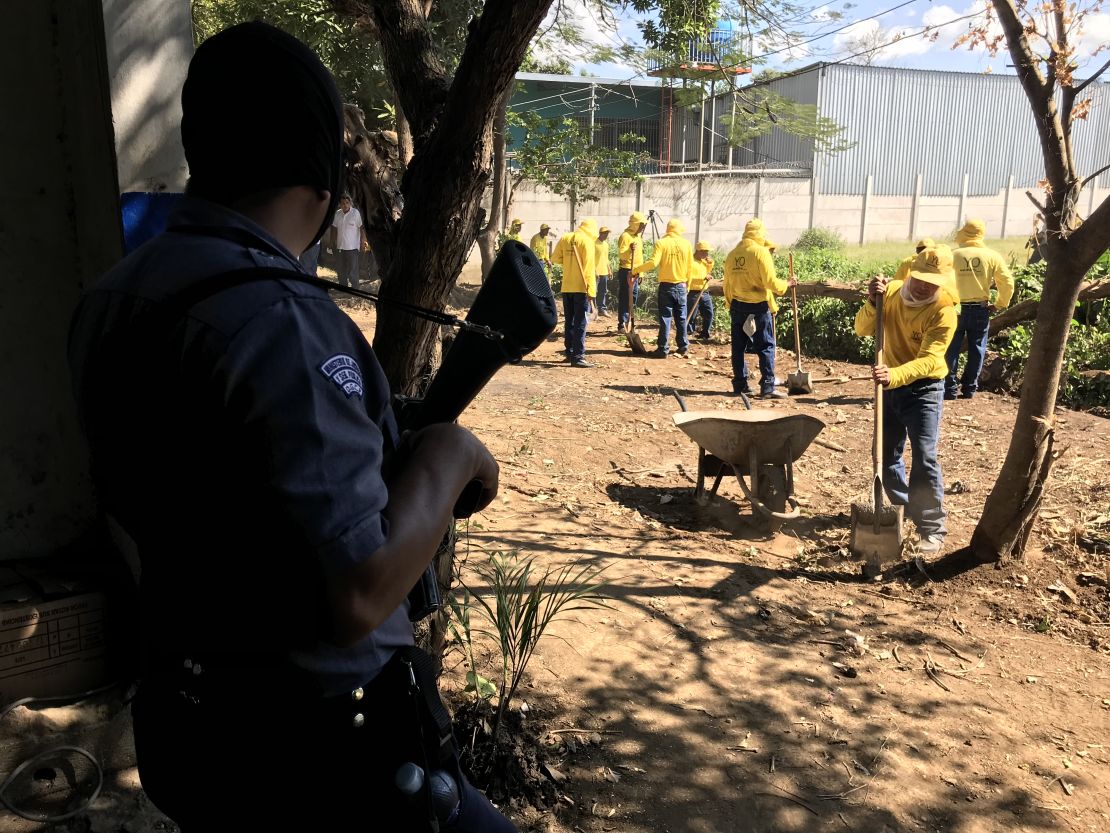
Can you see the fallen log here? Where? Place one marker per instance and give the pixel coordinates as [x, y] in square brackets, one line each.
[1027, 310]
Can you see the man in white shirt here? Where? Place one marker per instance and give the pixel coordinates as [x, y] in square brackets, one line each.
[348, 237]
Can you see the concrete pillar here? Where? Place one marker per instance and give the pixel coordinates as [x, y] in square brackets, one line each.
[59, 230]
[915, 205]
[1006, 203]
[712, 130]
[963, 200]
[814, 188]
[731, 122]
[759, 196]
[640, 195]
[697, 220]
[866, 206]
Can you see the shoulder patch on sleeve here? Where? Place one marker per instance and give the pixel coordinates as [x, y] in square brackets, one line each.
[344, 371]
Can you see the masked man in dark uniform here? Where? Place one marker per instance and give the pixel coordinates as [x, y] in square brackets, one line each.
[242, 434]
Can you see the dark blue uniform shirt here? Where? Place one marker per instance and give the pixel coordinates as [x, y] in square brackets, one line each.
[240, 444]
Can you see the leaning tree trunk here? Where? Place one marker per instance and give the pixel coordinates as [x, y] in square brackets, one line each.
[487, 238]
[1012, 505]
[452, 128]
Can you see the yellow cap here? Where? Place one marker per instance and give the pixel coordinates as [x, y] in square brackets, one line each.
[675, 226]
[516, 221]
[754, 228]
[637, 218]
[703, 246]
[972, 230]
[933, 266]
[603, 229]
[545, 227]
[770, 244]
[926, 243]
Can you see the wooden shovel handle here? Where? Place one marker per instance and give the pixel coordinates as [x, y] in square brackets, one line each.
[877, 441]
[797, 332]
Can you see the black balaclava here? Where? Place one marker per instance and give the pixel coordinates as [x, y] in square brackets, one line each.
[260, 111]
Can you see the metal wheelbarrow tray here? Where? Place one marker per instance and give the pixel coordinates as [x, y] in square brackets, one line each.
[758, 445]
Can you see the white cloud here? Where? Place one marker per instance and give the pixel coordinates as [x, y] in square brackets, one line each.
[946, 24]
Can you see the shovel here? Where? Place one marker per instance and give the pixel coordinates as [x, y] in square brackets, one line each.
[798, 381]
[876, 529]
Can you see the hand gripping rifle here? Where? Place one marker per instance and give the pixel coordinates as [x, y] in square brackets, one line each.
[511, 316]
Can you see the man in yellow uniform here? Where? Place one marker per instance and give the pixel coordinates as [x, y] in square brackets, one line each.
[750, 289]
[977, 267]
[514, 230]
[673, 257]
[630, 253]
[538, 244]
[575, 253]
[700, 275]
[903, 270]
[919, 318]
[601, 262]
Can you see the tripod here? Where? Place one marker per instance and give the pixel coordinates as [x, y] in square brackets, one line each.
[653, 218]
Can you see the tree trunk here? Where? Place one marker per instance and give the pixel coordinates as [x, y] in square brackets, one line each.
[452, 124]
[487, 239]
[404, 134]
[1012, 505]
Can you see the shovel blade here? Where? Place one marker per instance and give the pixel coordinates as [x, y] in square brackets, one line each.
[636, 343]
[876, 548]
[799, 382]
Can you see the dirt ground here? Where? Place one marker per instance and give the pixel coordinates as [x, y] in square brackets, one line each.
[739, 682]
[746, 683]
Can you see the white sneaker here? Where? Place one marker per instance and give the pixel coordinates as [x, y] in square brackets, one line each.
[928, 544]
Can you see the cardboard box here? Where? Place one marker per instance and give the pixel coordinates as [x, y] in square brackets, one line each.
[50, 645]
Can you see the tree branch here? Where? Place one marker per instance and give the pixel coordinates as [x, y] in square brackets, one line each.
[1035, 202]
[415, 72]
[1040, 94]
[1101, 170]
[1094, 77]
[1027, 310]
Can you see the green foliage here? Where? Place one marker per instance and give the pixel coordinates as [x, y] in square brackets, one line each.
[1028, 282]
[1088, 349]
[828, 330]
[352, 54]
[819, 238]
[522, 605]
[560, 155]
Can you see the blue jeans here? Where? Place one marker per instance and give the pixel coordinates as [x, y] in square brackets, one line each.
[705, 310]
[974, 322]
[671, 298]
[913, 412]
[623, 305]
[762, 344]
[602, 294]
[575, 307]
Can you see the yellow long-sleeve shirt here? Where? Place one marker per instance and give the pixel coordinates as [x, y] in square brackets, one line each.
[564, 255]
[601, 257]
[915, 337]
[750, 274]
[672, 256]
[538, 244]
[700, 270]
[976, 268]
[630, 257]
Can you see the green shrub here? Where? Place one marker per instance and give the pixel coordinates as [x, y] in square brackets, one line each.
[819, 238]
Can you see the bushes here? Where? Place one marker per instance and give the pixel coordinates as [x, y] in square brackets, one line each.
[819, 238]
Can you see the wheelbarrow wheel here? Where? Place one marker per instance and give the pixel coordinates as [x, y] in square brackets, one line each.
[773, 495]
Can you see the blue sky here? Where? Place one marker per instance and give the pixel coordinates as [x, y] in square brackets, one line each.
[900, 28]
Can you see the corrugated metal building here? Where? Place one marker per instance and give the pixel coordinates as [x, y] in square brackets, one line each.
[906, 122]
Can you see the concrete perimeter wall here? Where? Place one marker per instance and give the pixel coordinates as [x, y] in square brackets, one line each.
[788, 207]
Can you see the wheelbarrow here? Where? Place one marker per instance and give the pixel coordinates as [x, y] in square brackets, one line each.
[760, 448]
